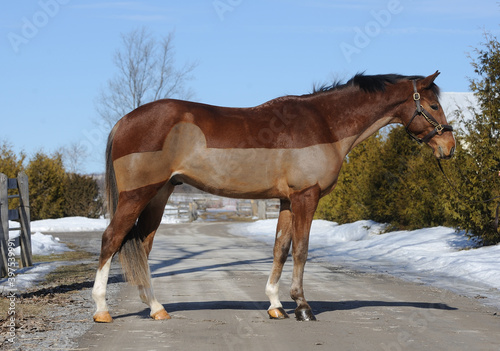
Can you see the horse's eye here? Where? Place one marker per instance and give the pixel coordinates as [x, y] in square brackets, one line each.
[435, 107]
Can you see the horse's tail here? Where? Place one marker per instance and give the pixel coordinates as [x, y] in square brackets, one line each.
[133, 257]
[111, 188]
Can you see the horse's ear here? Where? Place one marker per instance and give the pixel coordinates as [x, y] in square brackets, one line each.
[427, 81]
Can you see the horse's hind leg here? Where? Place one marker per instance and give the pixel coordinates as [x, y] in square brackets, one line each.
[101, 314]
[280, 253]
[303, 207]
[148, 223]
[130, 205]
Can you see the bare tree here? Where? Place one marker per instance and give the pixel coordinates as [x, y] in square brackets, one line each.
[146, 72]
[73, 156]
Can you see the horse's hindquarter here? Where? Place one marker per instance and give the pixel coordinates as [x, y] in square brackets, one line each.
[226, 154]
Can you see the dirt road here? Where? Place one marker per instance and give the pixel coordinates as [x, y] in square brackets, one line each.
[212, 284]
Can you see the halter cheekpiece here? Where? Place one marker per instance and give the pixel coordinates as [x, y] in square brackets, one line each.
[420, 111]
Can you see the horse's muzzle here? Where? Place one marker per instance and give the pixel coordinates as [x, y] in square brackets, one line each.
[443, 155]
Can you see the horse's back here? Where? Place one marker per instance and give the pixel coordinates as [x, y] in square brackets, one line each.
[283, 123]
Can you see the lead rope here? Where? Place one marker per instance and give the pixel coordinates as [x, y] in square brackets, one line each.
[495, 222]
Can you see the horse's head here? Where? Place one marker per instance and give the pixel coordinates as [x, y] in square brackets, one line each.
[424, 119]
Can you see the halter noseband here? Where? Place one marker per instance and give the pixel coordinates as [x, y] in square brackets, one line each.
[420, 111]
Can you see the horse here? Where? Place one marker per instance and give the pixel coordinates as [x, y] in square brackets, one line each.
[290, 148]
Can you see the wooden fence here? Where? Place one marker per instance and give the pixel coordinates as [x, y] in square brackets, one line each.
[21, 215]
[187, 207]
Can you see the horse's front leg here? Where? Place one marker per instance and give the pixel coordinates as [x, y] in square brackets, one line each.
[304, 205]
[281, 250]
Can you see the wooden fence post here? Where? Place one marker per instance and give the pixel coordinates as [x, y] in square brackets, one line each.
[22, 213]
[193, 213]
[4, 225]
[261, 204]
[259, 209]
[24, 217]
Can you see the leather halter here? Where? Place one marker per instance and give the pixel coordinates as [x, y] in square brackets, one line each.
[420, 111]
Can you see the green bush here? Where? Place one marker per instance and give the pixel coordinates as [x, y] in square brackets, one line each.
[54, 193]
[476, 167]
[389, 179]
[46, 177]
[81, 196]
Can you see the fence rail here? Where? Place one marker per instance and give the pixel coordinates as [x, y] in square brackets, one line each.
[20, 214]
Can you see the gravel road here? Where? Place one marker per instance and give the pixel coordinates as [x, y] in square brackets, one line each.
[212, 284]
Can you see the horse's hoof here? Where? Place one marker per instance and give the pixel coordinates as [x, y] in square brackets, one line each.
[102, 317]
[160, 315]
[277, 313]
[304, 315]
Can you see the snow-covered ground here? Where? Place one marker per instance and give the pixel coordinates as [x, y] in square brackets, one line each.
[45, 244]
[42, 243]
[436, 256]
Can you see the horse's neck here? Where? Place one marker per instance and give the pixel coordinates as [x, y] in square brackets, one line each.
[372, 129]
[356, 115]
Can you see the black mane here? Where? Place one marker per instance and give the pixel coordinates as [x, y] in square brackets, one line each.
[370, 84]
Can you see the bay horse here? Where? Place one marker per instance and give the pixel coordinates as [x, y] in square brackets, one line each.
[290, 148]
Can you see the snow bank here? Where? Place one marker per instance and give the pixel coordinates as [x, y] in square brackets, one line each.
[69, 224]
[42, 244]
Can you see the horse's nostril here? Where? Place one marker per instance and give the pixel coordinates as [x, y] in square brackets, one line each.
[452, 151]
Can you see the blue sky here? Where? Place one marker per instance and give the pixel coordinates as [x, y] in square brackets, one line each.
[56, 55]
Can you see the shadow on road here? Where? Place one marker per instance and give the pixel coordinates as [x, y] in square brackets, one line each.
[166, 263]
[317, 306]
